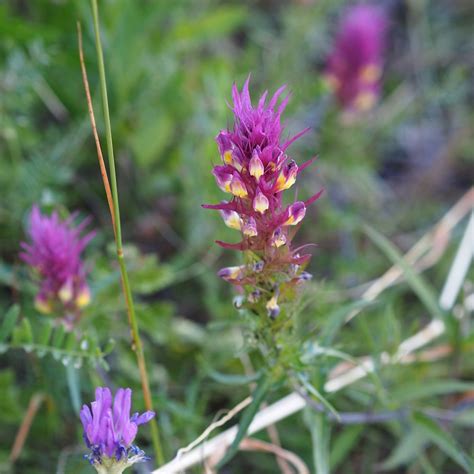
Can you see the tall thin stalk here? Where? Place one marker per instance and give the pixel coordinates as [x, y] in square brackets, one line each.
[132, 319]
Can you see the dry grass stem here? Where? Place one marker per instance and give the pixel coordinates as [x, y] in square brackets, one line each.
[222, 421]
[20, 438]
[100, 156]
[426, 252]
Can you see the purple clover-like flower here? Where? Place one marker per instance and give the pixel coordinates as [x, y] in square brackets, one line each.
[255, 171]
[354, 67]
[54, 252]
[109, 431]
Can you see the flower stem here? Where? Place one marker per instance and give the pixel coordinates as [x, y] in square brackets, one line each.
[132, 319]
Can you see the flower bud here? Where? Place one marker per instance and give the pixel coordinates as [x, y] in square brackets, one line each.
[304, 276]
[370, 73]
[223, 177]
[231, 273]
[273, 309]
[295, 213]
[254, 296]
[287, 177]
[278, 238]
[250, 228]
[42, 304]
[230, 159]
[231, 219]
[260, 202]
[256, 168]
[83, 297]
[237, 186]
[66, 291]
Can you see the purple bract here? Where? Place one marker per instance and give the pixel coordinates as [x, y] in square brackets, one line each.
[255, 171]
[354, 67]
[54, 251]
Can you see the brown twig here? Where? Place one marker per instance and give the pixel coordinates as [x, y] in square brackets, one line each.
[252, 444]
[100, 156]
[20, 438]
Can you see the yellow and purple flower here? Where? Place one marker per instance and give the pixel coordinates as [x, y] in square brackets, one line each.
[255, 170]
[355, 65]
[109, 430]
[54, 252]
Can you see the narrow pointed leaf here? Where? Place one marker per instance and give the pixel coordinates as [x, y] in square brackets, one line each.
[58, 336]
[416, 281]
[44, 334]
[248, 415]
[8, 323]
[444, 441]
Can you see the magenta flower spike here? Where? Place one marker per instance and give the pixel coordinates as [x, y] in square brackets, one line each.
[254, 172]
[109, 431]
[354, 67]
[54, 252]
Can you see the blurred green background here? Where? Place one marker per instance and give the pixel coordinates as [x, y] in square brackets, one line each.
[170, 66]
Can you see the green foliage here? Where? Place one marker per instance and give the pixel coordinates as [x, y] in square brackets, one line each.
[258, 396]
[50, 339]
[320, 430]
[442, 440]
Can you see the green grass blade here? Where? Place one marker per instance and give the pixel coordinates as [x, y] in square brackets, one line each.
[319, 428]
[443, 441]
[343, 444]
[429, 388]
[335, 320]
[317, 394]
[248, 415]
[232, 379]
[418, 284]
[73, 383]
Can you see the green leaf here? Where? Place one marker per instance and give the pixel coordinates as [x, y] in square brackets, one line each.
[417, 283]
[314, 350]
[320, 430]
[343, 444]
[408, 449]
[248, 415]
[73, 382]
[335, 320]
[109, 346]
[315, 392]
[9, 322]
[44, 333]
[22, 334]
[71, 342]
[213, 24]
[58, 336]
[415, 391]
[232, 379]
[444, 441]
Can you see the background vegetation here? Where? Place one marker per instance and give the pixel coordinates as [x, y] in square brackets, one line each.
[170, 66]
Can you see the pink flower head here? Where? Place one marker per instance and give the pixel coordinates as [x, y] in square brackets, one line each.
[354, 67]
[109, 430]
[255, 170]
[54, 251]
